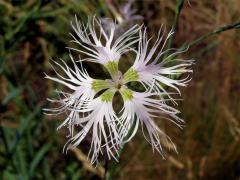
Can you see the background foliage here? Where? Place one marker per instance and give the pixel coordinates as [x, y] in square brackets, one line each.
[34, 32]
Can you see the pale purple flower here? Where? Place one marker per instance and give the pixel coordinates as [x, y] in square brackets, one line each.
[128, 13]
[103, 47]
[125, 16]
[151, 65]
[140, 110]
[89, 107]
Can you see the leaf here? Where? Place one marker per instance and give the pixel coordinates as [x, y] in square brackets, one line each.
[47, 172]
[24, 124]
[38, 157]
[9, 176]
[21, 22]
[1, 64]
[21, 163]
[15, 92]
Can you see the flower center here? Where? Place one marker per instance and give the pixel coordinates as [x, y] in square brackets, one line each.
[118, 85]
[118, 81]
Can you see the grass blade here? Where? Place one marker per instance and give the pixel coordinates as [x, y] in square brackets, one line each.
[38, 157]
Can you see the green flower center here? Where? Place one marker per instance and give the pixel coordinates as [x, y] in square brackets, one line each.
[112, 67]
[126, 93]
[107, 96]
[98, 85]
[130, 75]
[116, 84]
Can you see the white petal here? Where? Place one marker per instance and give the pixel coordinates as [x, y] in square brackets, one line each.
[152, 67]
[105, 46]
[142, 109]
[80, 83]
[101, 125]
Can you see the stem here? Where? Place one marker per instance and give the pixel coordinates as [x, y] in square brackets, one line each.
[216, 31]
[176, 18]
[205, 36]
[112, 170]
[106, 168]
[114, 166]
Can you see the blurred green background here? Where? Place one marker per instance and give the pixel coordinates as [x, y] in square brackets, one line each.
[34, 32]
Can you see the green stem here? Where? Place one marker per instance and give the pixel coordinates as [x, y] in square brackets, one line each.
[205, 36]
[114, 166]
[216, 31]
[106, 167]
[176, 19]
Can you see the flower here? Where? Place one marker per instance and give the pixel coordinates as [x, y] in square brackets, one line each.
[105, 48]
[124, 16]
[103, 121]
[142, 108]
[84, 89]
[150, 66]
[128, 13]
[90, 108]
